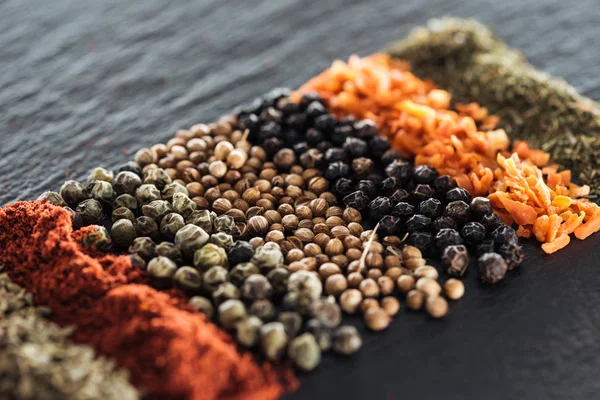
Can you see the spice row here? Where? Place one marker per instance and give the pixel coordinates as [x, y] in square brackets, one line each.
[362, 177]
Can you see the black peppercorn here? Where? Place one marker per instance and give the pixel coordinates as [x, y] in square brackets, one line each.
[315, 109]
[400, 195]
[368, 188]
[399, 169]
[444, 222]
[389, 186]
[239, 252]
[403, 210]
[491, 221]
[421, 240]
[389, 225]
[325, 123]
[447, 237]
[418, 223]
[343, 187]
[378, 145]
[356, 200]
[365, 129]
[473, 232]
[443, 184]
[335, 154]
[455, 259]
[425, 174]
[379, 207]
[487, 246]
[431, 208]
[458, 194]
[492, 267]
[423, 192]
[390, 156]
[355, 147]
[504, 234]
[479, 207]
[336, 170]
[513, 254]
[130, 166]
[300, 148]
[457, 210]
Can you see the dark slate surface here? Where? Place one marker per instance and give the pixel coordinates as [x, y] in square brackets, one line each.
[86, 83]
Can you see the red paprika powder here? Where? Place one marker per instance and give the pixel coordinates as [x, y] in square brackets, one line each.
[172, 353]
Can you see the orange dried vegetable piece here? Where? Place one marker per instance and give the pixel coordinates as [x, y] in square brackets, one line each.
[524, 232]
[523, 214]
[561, 242]
[591, 226]
[540, 228]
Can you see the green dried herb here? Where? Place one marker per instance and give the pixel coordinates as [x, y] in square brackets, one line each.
[38, 360]
[467, 59]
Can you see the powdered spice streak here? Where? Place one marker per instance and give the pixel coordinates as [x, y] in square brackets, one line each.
[171, 353]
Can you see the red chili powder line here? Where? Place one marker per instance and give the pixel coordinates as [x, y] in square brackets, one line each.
[171, 353]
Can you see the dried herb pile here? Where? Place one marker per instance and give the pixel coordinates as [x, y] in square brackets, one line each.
[467, 59]
[38, 360]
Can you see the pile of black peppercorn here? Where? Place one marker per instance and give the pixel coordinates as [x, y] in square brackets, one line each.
[365, 173]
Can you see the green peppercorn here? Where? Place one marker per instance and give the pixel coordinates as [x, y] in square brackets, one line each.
[101, 191]
[292, 322]
[91, 211]
[98, 239]
[73, 193]
[279, 279]
[171, 224]
[146, 194]
[305, 352]
[187, 278]
[268, 258]
[168, 250]
[231, 312]
[263, 309]
[137, 261]
[320, 332]
[221, 239]
[169, 191]
[76, 218]
[273, 340]
[126, 182]
[203, 305]
[214, 277]
[123, 233]
[226, 224]
[127, 201]
[100, 174]
[189, 239]
[183, 205]
[305, 282]
[210, 255]
[122, 213]
[157, 177]
[240, 272]
[146, 226]
[161, 268]
[224, 292]
[247, 331]
[53, 198]
[156, 209]
[327, 311]
[346, 340]
[256, 287]
[144, 246]
[202, 219]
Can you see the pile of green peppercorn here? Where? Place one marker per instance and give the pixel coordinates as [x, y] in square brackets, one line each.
[269, 241]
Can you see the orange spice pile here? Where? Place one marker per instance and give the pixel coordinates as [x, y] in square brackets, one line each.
[461, 142]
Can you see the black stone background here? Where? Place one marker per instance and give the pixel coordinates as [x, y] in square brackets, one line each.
[86, 83]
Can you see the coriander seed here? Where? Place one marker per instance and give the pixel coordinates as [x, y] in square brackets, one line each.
[426, 271]
[391, 305]
[454, 289]
[376, 319]
[429, 287]
[336, 284]
[415, 300]
[354, 279]
[436, 307]
[350, 300]
[386, 285]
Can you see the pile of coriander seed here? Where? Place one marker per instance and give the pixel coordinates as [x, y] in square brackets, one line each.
[270, 241]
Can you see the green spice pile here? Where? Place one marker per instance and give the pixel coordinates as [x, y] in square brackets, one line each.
[464, 57]
[38, 360]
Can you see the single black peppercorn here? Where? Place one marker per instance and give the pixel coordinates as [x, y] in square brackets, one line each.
[400, 195]
[444, 222]
[355, 147]
[479, 207]
[492, 267]
[421, 240]
[239, 252]
[403, 210]
[379, 207]
[447, 237]
[365, 129]
[367, 187]
[423, 192]
[378, 145]
[335, 154]
[343, 187]
[504, 234]
[431, 208]
[399, 169]
[130, 166]
[443, 184]
[491, 221]
[425, 174]
[455, 259]
[300, 148]
[418, 223]
[389, 185]
[315, 109]
[473, 232]
[356, 200]
[486, 246]
[513, 254]
[458, 194]
[325, 123]
[336, 170]
[390, 156]
[389, 225]
[457, 210]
